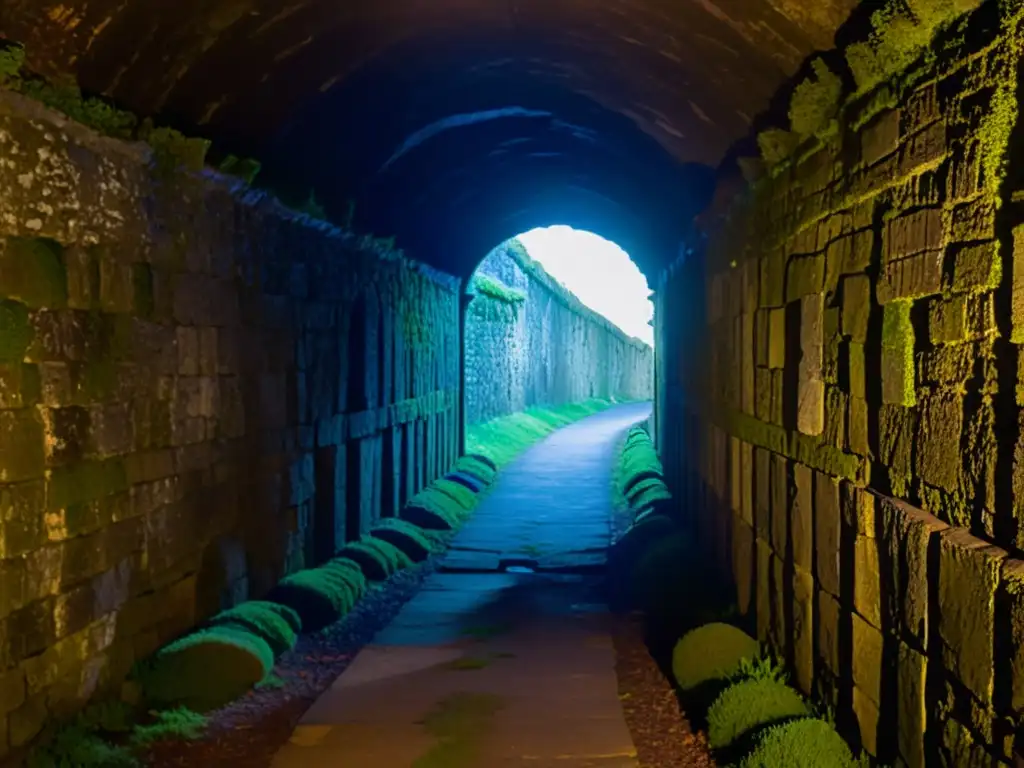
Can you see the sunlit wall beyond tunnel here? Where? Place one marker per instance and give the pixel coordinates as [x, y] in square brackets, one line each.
[530, 341]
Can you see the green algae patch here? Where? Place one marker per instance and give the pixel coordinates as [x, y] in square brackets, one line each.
[460, 723]
[493, 288]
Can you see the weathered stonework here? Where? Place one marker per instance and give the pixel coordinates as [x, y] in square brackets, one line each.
[199, 393]
[905, 230]
[546, 349]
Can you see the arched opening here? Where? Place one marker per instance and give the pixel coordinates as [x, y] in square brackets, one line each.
[555, 316]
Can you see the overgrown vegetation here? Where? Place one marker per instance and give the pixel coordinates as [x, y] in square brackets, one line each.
[749, 705]
[321, 596]
[776, 146]
[495, 289]
[278, 625]
[901, 31]
[713, 652]
[377, 558]
[815, 102]
[803, 743]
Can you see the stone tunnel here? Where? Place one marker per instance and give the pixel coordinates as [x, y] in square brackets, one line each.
[200, 365]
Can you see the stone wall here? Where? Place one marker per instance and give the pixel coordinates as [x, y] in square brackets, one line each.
[547, 348]
[199, 392]
[850, 440]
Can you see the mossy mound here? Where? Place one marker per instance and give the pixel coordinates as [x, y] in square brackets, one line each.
[477, 469]
[710, 655]
[627, 552]
[805, 743]
[661, 507]
[423, 514]
[649, 486]
[377, 558]
[670, 576]
[321, 596]
[487, 461]
[746, 707]
[277, 624]
[406, 537]
[646, 475]
[466, 480]
[206, 670]
[457, 492]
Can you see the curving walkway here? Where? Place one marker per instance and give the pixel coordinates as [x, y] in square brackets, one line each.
[503, 659]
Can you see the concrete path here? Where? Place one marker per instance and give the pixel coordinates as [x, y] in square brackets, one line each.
[503, 659]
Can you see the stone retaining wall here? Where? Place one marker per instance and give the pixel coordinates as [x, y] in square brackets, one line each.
[199, 392]
[854, 424]
[547, 349]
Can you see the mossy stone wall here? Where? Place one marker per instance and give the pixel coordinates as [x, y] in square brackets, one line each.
[199, 393]
[849, 439]
[547, 349]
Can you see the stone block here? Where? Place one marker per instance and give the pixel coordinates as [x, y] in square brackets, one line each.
[857, 427]
[761, 337]
[12, 690]
[897, 428]
[778, 406]
[867, 595]
[810, 383]
[924, 148]
[1012, 592]
[747, 480]
[747, 380]
[780, 505]
[25, 723]
[764, 589]
[973, 221]
[912, 712]
[981, 316]
[781, 597]
[830, 629]
[858, 510]
[856, 378]
[773, 280]
[947, 320]
[867, 646]
[20, 385]
[827, 532]
[803, 630]
[911, 277]
[117, 285]
[32, 272]
[22, 456]
[744, 564]
[913, 233]
[939, 429]
[1017, 287]
[969, 572]
[762, 495]
[880, 137]
[802, 517]
[858, 254]
[976, 267]
[898, 386]
[763, 394]
[805, 275]
[22, 508]
[856, 309]
[777, 338]
[909, 535]
[865, 710]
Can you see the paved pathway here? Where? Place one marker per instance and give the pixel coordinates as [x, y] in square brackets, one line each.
[493, 665]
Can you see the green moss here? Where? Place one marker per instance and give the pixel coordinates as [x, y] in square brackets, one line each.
[75, 746]
[898, 350]
[12, 59]
[476, 468]
[246, 168]
[172, 150]
[321, 596]
[457, 492]
[277, 624]
[410, 539]
[776, 146]
[881, 99]
[16, 333]
[994, 136]
[66, 97]
[711, 653]
[179, 724]
[805, 743]
[815, 101]
[207, 669]
[377, 558]
[96, 381]
[460, 724]
[749, 705]
[493, 288]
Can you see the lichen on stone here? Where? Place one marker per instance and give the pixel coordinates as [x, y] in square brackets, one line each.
[776, 146]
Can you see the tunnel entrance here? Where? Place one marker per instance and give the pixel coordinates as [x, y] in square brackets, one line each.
[552, 317]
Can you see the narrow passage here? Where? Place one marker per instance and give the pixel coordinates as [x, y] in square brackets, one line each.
[504, 658]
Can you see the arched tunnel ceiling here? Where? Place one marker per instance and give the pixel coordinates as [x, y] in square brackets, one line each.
[451, 123]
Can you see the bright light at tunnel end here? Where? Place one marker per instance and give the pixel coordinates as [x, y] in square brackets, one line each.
[599, 272]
